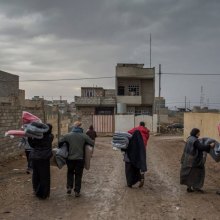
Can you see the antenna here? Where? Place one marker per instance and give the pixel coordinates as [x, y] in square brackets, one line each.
[150, 50]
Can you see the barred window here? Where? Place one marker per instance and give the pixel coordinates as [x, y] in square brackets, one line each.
[134, 90]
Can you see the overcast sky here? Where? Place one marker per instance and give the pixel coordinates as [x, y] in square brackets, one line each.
[48, 39]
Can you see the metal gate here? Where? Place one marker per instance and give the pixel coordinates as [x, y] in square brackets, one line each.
[103, 123]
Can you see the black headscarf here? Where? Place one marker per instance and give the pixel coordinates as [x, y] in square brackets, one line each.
[194, 132]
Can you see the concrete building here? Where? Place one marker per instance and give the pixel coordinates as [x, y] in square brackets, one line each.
[95, 101]
[10, 93]
[135, 87]
[96, 106]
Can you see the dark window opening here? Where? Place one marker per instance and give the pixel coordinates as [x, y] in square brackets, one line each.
[121, 90]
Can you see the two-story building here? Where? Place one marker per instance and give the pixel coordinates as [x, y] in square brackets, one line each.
[135, 87]
[96, 106]
[95, 101]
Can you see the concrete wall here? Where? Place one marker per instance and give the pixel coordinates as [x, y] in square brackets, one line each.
[147, 91]
[129, 100]
[9, 84]
[126, 122]
[206, 122]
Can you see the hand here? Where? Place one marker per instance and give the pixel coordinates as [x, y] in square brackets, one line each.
[212, 145]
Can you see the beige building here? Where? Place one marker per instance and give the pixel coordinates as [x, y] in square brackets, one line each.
[95, 101]
[93, 104]
[135, 87]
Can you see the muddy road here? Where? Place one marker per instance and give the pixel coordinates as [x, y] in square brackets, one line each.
[104, 191]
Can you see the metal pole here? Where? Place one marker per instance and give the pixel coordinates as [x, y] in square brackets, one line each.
[150, 50]
[185, 103]
[58, 123]
[159, 98]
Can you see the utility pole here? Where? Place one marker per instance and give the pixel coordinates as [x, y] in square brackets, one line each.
[159, 98]
[58, 123]
[150, 50]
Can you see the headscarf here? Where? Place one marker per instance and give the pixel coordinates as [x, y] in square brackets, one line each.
[194, 132]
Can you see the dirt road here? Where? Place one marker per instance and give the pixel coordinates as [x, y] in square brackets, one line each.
[104, 191]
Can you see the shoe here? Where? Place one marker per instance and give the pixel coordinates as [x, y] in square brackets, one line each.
[77, 194]
[198, 190]
[141, 184]
[189, 190]
[28, 171]
[69, 191]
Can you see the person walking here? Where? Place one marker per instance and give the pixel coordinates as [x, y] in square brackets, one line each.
[135, 155]
[92, 133]
[76, 141]
[40, 155]
[192, 173]
[145, 133]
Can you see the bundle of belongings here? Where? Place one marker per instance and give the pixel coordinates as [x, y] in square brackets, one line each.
[214, 152]
[32, 127]
[60, 155]
[121, 140]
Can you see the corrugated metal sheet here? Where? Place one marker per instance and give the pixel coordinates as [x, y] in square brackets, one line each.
[103, 123]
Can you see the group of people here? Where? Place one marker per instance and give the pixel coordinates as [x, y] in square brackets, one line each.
[39, 153]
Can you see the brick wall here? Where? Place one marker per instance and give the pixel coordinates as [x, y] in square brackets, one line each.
[10, 119]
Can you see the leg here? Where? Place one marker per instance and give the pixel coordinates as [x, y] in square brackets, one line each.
[29, 162]
[70, 174]
[44, 189]
[79, 166]
[35, 176]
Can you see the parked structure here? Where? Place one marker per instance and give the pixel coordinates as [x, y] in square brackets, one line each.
[135, 87]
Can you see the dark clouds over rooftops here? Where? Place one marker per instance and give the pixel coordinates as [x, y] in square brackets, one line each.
[44, 39]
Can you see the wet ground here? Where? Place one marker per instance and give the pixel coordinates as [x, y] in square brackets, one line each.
[104, 191]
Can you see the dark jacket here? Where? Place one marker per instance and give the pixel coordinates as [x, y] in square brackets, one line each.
[136, 151]
[92, 134]
[41, 148]
[193, 153]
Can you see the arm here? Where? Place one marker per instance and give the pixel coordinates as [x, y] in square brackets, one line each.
[89, 141]
[202, 147]
[132, 131]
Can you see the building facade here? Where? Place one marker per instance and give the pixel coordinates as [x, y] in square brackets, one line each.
[95, 101]
[135, 87]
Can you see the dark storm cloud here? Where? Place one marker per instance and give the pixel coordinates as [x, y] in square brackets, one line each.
[53, 38]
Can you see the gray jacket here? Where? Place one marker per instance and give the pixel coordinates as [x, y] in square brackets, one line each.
[76, 142]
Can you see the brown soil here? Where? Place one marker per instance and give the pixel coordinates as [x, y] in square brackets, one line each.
[104, 191]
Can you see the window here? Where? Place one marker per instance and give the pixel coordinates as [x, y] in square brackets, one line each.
[121, 90]
[134, 90]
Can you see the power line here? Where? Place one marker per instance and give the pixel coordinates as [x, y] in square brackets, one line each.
[61, 79]
[192, 74]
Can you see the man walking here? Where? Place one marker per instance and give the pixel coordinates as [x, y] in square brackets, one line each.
[76, 141]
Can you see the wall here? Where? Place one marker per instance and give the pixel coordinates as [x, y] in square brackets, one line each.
[9, 85]
[10, 119]
[206, 122]
[126, 122]
[147, 91]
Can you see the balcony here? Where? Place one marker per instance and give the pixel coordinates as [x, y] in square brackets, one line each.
[130, 100]
[95, 101]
